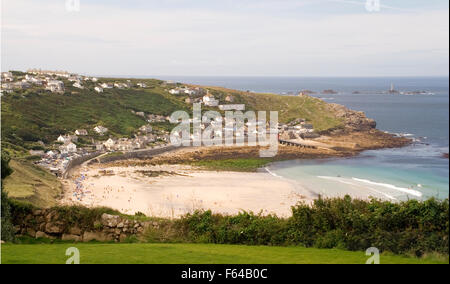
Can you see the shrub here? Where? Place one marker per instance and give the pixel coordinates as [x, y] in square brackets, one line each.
[357, 225]
[6, 222]
[405, 227]
[7, 227]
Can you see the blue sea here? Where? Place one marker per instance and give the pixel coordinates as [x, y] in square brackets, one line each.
[418, 171]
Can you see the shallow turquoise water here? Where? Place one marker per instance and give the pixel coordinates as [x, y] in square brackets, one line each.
[375, 173]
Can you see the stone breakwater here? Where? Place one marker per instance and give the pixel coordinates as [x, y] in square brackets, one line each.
[48, 223]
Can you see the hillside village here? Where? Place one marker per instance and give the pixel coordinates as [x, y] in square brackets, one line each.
[80, 142]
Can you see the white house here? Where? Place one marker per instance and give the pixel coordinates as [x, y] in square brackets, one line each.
[74, 78]
[78, 85]
[55, 86]
[109, 144]
[99, 146]
[142, 85]
[61, 139]
[189, 91]
[68, 148]
[306, 128]
[98, 89]
[174, 91]
[209, 100]
[81, 132]
[122, 85]
[51, 153]
[7, 86]
[146, 128]
[107, 85]
[36, 81]
[100, 129]
[124, 145]
[7, 77]
[67, 138]
[137, 144]
[37, 153]
[21, 85]
[71, 147]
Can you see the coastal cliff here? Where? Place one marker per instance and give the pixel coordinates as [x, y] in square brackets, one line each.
[353, 120]
[359, 132]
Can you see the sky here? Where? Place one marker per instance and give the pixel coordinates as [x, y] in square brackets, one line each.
[227, 37]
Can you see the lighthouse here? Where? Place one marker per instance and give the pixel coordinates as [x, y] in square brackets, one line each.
[392, 89]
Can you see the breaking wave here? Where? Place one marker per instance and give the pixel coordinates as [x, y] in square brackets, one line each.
[390, 186]
[349, 182]
[273, 174]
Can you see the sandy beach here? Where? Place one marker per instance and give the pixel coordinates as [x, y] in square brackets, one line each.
[174, 190]
[162, 186]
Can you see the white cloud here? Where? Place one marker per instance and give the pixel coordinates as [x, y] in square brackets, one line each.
[104, 39]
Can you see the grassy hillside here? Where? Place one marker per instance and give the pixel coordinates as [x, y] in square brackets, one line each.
[35, 114]
[192, 254]
[288, 107]
[32, 184]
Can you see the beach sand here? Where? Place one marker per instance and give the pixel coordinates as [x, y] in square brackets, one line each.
[177, 190]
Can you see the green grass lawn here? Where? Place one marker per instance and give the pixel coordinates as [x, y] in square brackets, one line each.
[239, 165]
[192, 254]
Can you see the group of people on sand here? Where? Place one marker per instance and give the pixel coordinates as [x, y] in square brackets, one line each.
[79, 192]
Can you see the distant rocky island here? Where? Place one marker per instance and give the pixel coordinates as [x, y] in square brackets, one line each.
[392, 90]
[329, 92]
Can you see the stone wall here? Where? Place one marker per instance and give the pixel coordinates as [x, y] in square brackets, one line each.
[138, 154]
[48, 223]
[78, 161]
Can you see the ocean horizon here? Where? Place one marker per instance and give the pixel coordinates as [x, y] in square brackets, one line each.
[280, 84]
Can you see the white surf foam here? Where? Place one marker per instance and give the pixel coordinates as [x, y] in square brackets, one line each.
[273, 174]
[400, 134]
[349, 182]
[390, 186]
